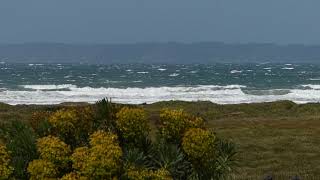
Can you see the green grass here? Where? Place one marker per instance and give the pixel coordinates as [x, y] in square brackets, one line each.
[279, 139]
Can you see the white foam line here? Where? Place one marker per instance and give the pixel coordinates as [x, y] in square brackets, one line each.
[231, 94]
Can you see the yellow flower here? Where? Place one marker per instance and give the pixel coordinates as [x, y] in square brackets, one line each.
[53, 149]
[173, 123]
[73, 176]
[102, 137]
[5, 168]
[198, 144]
[38, 117]
[73, 124]
[102, 159]
[132, 123]
[161, 174]
[134, 173]
[42, 169]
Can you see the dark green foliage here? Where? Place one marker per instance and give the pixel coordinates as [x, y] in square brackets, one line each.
[20, 141]
[43, 129]
[105, 112]
[226, 155]
[171, 158]
[134, 157]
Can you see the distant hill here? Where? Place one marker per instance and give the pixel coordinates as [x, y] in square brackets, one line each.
[204, 52]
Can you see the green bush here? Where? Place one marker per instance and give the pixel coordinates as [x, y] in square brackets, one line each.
[21, 142]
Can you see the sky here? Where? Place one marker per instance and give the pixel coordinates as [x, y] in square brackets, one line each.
[131, 21]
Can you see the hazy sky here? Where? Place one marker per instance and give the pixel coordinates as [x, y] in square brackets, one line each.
[122, 21]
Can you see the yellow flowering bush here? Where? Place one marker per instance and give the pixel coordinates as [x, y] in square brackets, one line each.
[72, 124]
[79, 158]
[64, 120]
[132, 123]
[5, 169]
[161, 174]
[73, 176]
[103, 138]
[101, 160]
[42, 169]
[142, 174]
[199, 145]
[38, 117]
[54, 150]
[173, 123]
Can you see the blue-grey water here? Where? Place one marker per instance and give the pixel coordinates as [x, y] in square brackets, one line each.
[139, 83]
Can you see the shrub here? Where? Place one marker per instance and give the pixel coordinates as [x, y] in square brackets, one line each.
[105, 114]
[199, 145]
[73, 176]
[161, 174]
[73, 125]
[39, 122]
[171, 157]
[54, 150]
[133, 124]
[145, 174]
[102, 159]
[5, 168]
[210, 159]
[21, 142]
[42, 169]
[173, 124]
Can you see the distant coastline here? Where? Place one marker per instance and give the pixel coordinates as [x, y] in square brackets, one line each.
[171, 52]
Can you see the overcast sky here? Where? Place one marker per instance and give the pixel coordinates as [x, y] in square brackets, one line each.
[129, 21]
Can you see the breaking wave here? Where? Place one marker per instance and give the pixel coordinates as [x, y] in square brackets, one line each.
[231, 94]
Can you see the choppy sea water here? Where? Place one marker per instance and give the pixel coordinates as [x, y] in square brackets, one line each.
[140, 83]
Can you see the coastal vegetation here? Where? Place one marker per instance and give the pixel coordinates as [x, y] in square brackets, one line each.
[278, 139]
[112, 141]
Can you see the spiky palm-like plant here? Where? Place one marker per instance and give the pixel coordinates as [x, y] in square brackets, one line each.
[170, 157]
[105, 114]
[20, 141]
[226, 158]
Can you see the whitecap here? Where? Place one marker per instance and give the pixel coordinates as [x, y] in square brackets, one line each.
[143, 72]
[162, 69]
[139, 81]
[49, 87]
[235, 71]
[314, 79]
[287, 68]
[312, 86]
[173, 74]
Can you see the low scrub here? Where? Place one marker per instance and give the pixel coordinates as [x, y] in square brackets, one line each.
[108, 141]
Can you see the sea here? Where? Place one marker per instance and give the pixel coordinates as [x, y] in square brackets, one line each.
[223, 83]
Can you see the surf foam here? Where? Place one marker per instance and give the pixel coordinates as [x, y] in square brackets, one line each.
[231, 94]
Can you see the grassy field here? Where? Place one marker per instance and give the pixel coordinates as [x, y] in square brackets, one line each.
[279, 139]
